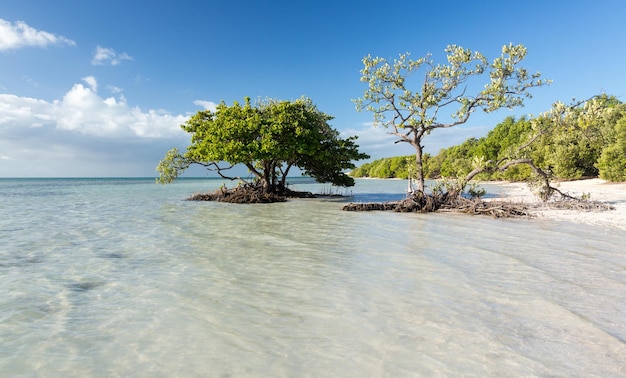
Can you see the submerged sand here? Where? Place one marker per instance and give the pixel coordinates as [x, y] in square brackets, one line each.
[597, 190]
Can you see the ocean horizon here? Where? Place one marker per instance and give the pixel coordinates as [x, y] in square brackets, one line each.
[124, 277]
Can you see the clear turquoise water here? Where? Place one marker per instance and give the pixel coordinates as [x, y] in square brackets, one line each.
[122, 277]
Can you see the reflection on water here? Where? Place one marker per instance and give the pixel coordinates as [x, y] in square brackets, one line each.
[130, 280]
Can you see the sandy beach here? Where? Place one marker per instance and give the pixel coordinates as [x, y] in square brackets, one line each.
[598, 190]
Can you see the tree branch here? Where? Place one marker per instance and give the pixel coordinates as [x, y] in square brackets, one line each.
[214, 167]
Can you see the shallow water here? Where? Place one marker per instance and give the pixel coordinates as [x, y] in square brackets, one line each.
[121, 277]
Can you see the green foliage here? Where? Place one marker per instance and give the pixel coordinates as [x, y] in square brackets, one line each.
[575, 137]
[413, 114]
[457, 163]
[172, 165]
[476, 191]
[568, 142]
[612, 161]
[268, 138]
[504, 138]
[459, 160]
[514, 173]
[394, 167]
[330, 158]
[440, 187]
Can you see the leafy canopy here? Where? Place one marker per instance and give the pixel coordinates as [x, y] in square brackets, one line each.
[412, 112]
[269, 138]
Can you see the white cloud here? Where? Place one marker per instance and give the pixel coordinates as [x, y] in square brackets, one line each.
[207, 105]
[19, 34]
[104, 56]
[84, 134]
[91, 81]
[23, 111]
[114, 89]
[82, 110]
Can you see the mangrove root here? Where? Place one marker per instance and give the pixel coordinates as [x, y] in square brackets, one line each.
[250, 193]
[425, 203]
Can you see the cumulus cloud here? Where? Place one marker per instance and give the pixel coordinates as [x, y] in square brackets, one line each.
[84, 133]
[82, 110]
[92, 82]
[19, 34]
[207, 105]
[108, 56]
[23, 112]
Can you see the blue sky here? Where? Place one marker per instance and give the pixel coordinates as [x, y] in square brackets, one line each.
[100, 88]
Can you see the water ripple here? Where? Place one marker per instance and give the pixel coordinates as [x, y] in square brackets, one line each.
[128, 279]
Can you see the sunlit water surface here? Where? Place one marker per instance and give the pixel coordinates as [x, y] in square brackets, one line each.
[121, 277]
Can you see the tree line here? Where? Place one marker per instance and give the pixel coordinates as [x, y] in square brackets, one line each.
[413, 98]
[569, 142]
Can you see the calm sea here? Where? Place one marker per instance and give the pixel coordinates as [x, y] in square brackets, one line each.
[124, 278]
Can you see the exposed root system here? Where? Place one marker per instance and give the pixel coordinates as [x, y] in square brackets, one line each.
[249, 194]
[425, 203]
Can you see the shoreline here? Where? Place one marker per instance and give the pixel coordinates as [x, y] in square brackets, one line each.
[597, 189]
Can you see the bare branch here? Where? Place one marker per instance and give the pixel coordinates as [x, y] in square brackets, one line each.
[215, 167]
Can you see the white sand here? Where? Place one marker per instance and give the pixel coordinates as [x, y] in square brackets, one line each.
[599, 190]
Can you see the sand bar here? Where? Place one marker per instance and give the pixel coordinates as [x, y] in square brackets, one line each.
[597, 189]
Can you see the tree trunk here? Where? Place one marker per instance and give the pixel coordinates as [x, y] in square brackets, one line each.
[266, 177]
[419, 172]
[254, 171]
[283, 179]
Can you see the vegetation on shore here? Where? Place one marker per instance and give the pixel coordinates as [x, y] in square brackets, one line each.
[569, 141]
[272, 136]
[584, 140]
[269, 138]
[412, 112]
